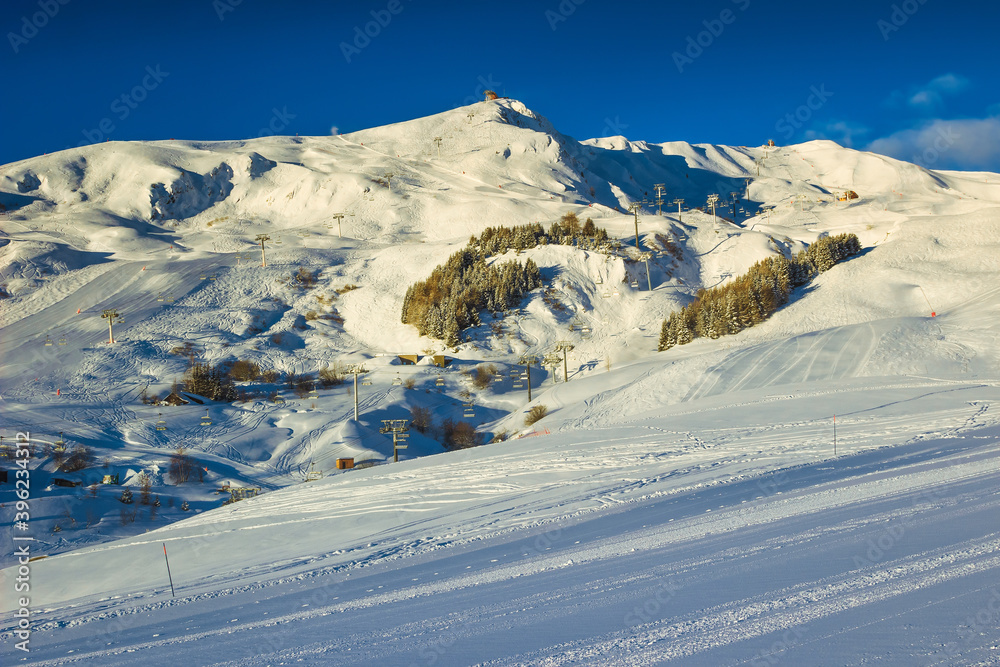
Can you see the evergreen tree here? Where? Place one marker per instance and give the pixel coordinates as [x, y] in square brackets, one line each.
[668, 333]
[685, 332]
[734, 323]
[755, 296]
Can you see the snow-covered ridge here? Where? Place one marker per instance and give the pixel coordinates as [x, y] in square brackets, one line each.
[165, 233]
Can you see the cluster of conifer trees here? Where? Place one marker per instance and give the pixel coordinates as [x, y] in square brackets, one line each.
[754, 296]
[210, 381]
[453, 296]
[568, 231]
[451, 299]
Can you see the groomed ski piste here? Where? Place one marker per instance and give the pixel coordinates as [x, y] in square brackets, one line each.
[821, 489]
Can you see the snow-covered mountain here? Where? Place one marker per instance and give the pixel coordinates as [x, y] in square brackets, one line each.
[686, 505]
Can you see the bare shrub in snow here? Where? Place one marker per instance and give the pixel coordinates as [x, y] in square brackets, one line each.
[536, 413]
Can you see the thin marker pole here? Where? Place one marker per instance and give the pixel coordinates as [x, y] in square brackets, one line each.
[355, 394]
[172, 594]
[929, 306]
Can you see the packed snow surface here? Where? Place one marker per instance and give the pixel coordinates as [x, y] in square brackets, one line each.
[818, 490]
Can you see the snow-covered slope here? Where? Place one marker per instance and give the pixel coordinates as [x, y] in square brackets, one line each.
[467, 556]
[718, 531]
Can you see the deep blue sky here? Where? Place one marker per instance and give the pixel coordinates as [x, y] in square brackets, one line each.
[594, 68]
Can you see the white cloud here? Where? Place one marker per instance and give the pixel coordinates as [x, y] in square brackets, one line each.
[949, 83]
[930, 96]
[334, 130]
[968, 144]
[925, 98]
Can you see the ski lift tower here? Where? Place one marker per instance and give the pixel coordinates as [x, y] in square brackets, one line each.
[661, 189]
[634, 210]
[112, 316]
[398, 428]
[713, 199]
[261, 238]
[564, 346]
[552, 360]
[734, 199]
[355, 370]
[645, 257]
[528, 360]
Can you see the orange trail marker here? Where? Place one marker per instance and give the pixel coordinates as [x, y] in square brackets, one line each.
[77, 311]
